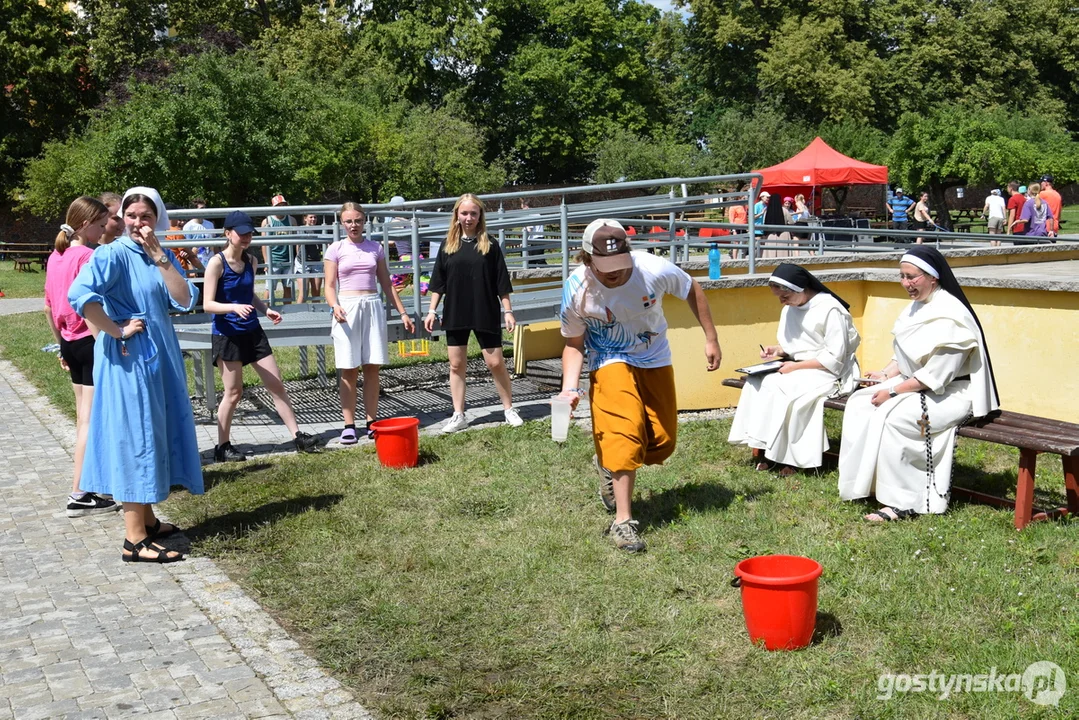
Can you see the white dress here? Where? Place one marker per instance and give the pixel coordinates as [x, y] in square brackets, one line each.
[883, 451]
[783, 414]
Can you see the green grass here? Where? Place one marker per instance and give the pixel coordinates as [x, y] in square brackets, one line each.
[1070, 215]
[479, 585]
[21, 284]
[21, 338]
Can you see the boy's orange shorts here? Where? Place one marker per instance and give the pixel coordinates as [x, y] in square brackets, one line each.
[634, 415]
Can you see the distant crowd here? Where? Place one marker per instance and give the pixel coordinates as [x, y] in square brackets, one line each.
[1029, 210]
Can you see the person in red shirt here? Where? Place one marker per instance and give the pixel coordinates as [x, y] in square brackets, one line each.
[1016, 199]
[1050, 196]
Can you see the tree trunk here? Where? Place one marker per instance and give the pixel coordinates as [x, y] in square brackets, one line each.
[839, 194]
[264, 13]
[937, 200]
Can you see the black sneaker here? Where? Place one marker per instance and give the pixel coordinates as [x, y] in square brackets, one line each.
[305, 442]
[226, 453]
[90, 504]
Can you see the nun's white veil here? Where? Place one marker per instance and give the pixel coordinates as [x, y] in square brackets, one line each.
[162, 214]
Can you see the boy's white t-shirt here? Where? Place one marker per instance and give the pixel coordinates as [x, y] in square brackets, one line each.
[626, 323]
[997, 206]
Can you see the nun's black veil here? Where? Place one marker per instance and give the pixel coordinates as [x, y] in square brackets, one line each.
[773, 214]
[798, 275]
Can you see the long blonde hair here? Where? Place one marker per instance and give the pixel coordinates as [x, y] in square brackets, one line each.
[82, 210]
[453, 237]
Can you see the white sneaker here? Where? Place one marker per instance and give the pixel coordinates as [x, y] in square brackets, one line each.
[457, 422]
[514, 418]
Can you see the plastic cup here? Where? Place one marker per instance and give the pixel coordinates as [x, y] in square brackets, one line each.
[561, 409]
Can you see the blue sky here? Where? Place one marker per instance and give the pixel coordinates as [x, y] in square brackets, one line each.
[664, 5]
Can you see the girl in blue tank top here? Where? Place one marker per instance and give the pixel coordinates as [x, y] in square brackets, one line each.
[238, 288]
[238, 339]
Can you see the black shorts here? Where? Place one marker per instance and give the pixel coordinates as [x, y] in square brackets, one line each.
[79, 356]
[245, 349]
[487, 340]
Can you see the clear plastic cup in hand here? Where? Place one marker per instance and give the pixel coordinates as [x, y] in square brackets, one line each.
[561, 409]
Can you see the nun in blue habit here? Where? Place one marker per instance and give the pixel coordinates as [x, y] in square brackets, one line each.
[142, 430]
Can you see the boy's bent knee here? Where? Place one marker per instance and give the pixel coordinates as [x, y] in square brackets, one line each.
[657, 454]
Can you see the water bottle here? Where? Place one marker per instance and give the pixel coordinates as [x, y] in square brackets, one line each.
[715, 270]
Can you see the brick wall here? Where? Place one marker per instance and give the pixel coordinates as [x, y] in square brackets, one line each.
[27, 229]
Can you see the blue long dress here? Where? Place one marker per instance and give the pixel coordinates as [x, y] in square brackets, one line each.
[142, 430]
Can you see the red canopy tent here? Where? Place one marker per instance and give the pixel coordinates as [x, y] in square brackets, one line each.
[820, 166]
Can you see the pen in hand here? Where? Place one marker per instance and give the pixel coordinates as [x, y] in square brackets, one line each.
[764, 353]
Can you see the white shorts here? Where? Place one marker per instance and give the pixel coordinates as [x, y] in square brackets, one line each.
[311, 266]
[361, 339]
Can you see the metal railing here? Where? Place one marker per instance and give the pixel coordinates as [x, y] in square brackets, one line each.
[544, 238]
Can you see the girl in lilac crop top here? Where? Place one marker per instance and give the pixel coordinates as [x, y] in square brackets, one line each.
[357, 264]
[355, 267]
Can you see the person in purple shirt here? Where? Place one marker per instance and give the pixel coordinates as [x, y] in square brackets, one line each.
[1037, 213]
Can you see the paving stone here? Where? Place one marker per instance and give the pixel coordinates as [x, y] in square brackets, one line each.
[217, 709]
[83, 635]
[47, 711]
[262, 709]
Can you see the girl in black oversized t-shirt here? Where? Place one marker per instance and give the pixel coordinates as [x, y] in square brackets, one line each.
[470, 273]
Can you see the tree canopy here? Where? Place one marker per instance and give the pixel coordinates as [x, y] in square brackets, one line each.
[234, 100]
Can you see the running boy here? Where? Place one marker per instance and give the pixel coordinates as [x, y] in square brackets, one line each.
[613, 306]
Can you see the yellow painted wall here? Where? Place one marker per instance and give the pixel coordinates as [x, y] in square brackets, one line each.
[536, 341]
[1033, 339]
[1010, 257]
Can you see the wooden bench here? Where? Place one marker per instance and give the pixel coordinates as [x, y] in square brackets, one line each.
[22, 264]
[1031, 435]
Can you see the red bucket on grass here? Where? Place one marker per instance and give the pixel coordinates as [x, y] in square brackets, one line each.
[779, 599]
[397, 441]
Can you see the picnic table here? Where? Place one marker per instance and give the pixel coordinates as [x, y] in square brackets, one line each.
[24, 255]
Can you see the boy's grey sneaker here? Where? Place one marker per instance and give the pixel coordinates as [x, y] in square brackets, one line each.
[625, 536]
[90, 504]
[606, 485]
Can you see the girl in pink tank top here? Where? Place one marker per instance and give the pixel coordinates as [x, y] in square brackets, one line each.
[83, 227]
